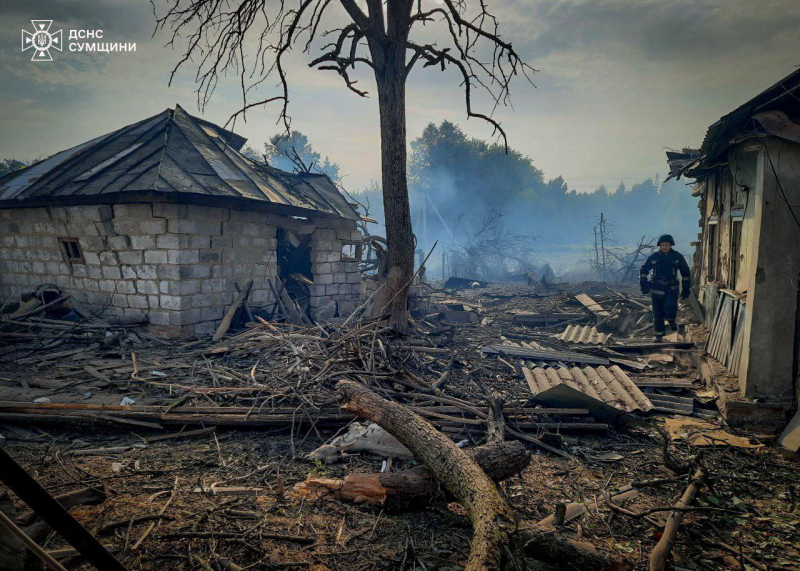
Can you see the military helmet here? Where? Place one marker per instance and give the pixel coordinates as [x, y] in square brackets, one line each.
[666, 238]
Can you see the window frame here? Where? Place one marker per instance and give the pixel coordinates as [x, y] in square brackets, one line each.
[358, 250]
[712, 257]
[65, 244]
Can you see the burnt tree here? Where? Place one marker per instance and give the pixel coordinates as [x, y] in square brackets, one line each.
[252, 39]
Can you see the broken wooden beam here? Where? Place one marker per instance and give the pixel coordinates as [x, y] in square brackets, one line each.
[30, 544]
[55, 515]
[592, 305]
[226, 321]
[660, 553]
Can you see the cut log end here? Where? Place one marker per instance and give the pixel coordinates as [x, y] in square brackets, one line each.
[416, 487]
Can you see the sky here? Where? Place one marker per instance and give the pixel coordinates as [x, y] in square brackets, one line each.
[618, 82]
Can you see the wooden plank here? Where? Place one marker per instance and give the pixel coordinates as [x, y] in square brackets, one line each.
[592, 305]
[292, 313]
[790, 437]
[226, 321]
[32, 303]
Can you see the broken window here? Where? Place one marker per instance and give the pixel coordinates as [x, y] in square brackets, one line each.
[71, 250]
[351, 251]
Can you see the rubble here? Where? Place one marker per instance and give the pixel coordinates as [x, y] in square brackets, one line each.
[223, 454]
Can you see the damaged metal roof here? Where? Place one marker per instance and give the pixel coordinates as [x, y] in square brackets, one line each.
[783, 96]
[588, 334]
[607, 384]
[175, 155]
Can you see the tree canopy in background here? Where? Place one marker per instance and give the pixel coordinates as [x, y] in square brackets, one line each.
[463, 175]
[10, 165]
[294, 153]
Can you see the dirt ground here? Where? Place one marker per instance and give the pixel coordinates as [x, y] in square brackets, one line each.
[161, 511]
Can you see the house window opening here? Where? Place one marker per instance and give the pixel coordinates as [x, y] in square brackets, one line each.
[711, 260]
[294, 267]
[736, 249]
[71, 250]
[351, 251]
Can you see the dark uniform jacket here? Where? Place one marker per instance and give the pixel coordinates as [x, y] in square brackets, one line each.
[662, 270]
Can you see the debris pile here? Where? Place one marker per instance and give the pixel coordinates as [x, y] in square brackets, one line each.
[250, 449]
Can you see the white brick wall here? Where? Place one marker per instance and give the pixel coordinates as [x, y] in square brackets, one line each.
[173, 263]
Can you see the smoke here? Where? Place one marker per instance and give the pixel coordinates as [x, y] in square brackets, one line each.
[492, 214]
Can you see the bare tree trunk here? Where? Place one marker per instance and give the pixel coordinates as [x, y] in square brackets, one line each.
[390, 77]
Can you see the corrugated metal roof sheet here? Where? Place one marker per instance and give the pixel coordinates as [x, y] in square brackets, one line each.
[587, 334]
[171, 152]
[607, 384]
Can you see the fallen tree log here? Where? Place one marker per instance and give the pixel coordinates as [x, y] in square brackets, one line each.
[658, 558]
[547, 544]
[495, 544]
[413, 488]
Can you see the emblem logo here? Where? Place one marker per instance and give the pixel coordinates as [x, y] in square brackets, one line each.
[42, 40]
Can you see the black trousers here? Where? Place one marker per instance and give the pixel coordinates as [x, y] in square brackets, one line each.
[665, 306]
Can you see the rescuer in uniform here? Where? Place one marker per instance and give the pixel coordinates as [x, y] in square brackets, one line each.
[662, 269]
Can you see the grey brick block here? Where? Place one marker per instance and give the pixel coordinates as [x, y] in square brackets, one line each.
[155, 257]
[138, 301]
[143, 242]
[109, 258]
[111, 272]
[174, 302]
[131, 257]
[158, 317]
[205, 328]
[146, 272]
[183, 256]
[133, 211]
[147, 287]
[153, 226]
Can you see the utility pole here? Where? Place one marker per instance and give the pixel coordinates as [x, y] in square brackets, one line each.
[603, 243]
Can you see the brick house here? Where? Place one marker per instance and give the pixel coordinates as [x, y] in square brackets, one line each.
[160, 219]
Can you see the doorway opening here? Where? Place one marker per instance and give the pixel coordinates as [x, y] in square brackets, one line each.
[294, 268]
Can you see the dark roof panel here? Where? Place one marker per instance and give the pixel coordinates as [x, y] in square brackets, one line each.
[171, 152]
[783, 96]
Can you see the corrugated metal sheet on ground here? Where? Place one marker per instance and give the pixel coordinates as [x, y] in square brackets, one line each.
[588, 334]
[545, 354]
[607, 384]
[672, 403]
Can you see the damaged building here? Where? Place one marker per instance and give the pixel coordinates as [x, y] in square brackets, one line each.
[747, 259]
[164, 219]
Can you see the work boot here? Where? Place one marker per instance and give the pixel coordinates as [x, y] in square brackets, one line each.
[658, 338]
[673, 326]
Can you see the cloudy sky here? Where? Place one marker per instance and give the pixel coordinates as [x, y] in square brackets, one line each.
[618, 82]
